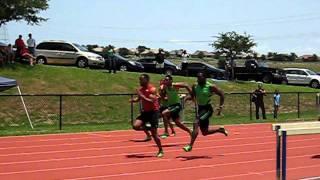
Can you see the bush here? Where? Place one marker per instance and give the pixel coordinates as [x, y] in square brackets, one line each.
[221, 63]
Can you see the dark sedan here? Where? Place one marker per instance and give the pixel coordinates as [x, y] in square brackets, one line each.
[192, 68]
[150, 66]
[124, 64]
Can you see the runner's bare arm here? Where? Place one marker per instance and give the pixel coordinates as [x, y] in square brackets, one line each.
[182, 85]
[152, 97]
[220, 93]
[135, 99]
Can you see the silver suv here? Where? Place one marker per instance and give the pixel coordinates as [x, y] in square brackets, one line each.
[65, 53]
[302, 76]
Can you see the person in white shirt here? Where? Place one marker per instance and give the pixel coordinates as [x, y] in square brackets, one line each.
[184, 62]
[31, 44]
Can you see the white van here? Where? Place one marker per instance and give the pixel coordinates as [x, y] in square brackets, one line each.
[66, 53]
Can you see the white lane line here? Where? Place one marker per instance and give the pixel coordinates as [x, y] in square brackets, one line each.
[180, 169]
[242, 127]
[116, 141]
[92, 136]
[311, 178]
[264, 172]
[137, 146]
[150, 152]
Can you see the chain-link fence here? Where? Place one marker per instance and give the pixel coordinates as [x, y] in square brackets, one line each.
[106, 110]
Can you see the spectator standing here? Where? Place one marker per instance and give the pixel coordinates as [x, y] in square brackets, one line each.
[276, 103]
[31, 45]
[258, 95]
[19, 43]
[228, 69]
[112, 62]
[160, 61]
[10, 54]
[184, 62]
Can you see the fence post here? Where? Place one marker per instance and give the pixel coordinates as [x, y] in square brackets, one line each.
[318, 104]
[250, 97]
[298, 104]
[131, 106]
[278, 152]
[60, 113]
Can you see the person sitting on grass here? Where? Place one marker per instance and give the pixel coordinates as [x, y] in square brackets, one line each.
[24, 53]
[201, 94]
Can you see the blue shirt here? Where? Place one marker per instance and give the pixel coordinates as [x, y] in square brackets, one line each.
[276, 98]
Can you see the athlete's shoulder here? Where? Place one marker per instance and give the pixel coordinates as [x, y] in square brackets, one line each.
[152, 88]
[209, 83]
[179, 84]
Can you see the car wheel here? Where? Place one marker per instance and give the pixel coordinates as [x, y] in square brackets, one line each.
[266, 78]
[82, 63]
[213, 76]
[168, 72]
[314, 84]
[123, 68]
[41, 60]
[284, 82]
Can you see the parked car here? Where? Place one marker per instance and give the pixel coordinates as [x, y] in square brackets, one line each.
[302, 77]
[124, 64]
[66, 53]
[149, 65]
[193, 68]
[259, 71]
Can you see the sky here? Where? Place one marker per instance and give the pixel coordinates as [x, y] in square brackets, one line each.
[282, 26]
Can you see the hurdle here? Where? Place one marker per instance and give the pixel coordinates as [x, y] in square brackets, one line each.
[287, 129]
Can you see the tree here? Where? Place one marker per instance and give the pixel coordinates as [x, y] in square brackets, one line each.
[141, 49]
[263, 57]
[124, 51]
[314, 58]
[293, 56]
[200, 55]
[233, 44]
[18, 10]
[90, 47]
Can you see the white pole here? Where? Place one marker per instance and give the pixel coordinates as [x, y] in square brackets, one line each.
[24, 106]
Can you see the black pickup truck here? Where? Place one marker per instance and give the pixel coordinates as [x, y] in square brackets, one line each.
[259, 71]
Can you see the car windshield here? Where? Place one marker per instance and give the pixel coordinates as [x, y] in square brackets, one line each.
[120, 57]
[82, 48]
[169, 62]
[311, 72]
[263, 64]
[209, 65]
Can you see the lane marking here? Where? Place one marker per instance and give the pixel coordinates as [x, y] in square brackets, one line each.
[136, 146]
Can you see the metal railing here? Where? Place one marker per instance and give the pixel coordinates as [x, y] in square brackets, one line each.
[58, 110]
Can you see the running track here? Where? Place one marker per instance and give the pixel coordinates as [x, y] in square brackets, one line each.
[248, 153]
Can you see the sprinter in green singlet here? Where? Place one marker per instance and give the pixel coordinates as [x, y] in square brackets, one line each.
[171, 92]
[163, 106]
[201, 94]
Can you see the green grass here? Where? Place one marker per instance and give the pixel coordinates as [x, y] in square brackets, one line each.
[96, 113]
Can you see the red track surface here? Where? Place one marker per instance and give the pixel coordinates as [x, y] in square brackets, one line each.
[248, 153]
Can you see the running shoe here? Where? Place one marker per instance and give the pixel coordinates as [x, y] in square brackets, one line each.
[187, 148]
[164, 136]
[223, 131]
[160, 154]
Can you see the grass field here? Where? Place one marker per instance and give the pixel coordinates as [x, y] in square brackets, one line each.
[91, 113]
